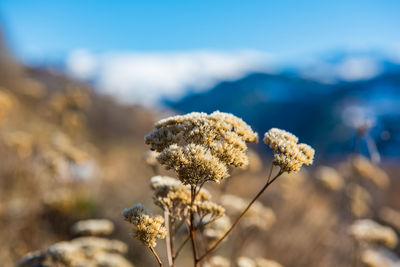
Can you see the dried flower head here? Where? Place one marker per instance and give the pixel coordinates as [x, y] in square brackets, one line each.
[257, 262]
[330, 178]
[369, 231]
[194, 164]
[200, 147]
[365, 168]
[172, 196]
[216, 229]
[217, 261]
[146, 228]
[288, 154]
[245, 262]
[93, 227]
[83, 251]
[161, 181]
[360, 200]
[262, 262]
[391, 217]
[258, 215]
[379, 258]
[208, 211]
[91, 244]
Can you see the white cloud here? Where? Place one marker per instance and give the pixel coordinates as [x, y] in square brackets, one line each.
[358, 68]
[81, 64]
[349, 69]
[147, 77]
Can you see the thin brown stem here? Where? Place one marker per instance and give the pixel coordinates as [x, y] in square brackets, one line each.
[168, 239]
[181, 247]
[172, 227]
[192, 229]
[156, 256]
[240, 217]
[355, 253]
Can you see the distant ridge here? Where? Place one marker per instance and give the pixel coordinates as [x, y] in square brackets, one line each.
[318, 113]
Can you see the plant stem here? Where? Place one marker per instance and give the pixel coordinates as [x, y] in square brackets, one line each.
[181, 247]
[172, 227]
[269, 182]
[355, 253]
[192, 230]
[156, 256]
[168, 239]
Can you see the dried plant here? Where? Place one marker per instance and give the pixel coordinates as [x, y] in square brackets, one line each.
[366, 169]
[330, 178]
[368, 231]
[257, 262]
[93, 227]
[82, 251]
[379, 258]
[200, 148]
[391, 217]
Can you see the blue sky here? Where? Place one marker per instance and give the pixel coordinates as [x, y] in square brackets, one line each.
[141, 51]
[45, 30]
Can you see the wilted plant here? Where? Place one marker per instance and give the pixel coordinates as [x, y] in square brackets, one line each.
[368, 231]
[87, 250]
[330, 178]
[201, 148]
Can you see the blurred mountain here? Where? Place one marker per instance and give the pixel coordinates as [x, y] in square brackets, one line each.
[324, 111]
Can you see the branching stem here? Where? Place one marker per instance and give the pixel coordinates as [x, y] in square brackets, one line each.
[168, 238]
[192, 229]
[269, 182]
[181, 247]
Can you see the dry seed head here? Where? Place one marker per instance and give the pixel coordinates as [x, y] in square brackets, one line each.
[290, 183]
[91, 244]
[258, 215]
[200, 147]
[258, 262]
[365, 168]
[375, 258]
[369, 231]
[216, 230]
[360, 200]
[93, 227]
[146, 228]
[262, 262]
[66, 253]
[245, 262]
[111, 260]
[174, 199]
[391, 217]
[208, 211]
[171, 195]
[217, 261]
[82, 251]
[161, 181]
[194, 164]
[288, 154]
[330, 178]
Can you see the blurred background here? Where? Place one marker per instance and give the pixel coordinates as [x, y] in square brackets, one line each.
[81, 83]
